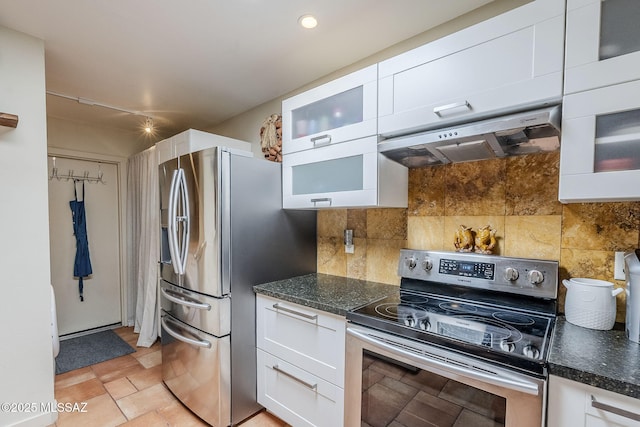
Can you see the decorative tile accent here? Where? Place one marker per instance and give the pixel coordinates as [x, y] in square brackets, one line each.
[601, 226]
[452, 223]
[475, 188]
[532, 184]
[387, 224]
[331, 256]
[426, 232]
[426, 191]
[535, 236]
[331, 222]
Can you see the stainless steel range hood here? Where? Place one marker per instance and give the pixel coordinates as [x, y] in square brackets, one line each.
[520, 133]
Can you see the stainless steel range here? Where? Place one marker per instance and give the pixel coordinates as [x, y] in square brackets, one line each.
[464, 341]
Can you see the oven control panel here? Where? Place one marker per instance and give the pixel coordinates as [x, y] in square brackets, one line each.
[479, 270]
[521, 276]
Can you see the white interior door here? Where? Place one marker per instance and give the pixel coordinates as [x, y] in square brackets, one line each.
[102, 300]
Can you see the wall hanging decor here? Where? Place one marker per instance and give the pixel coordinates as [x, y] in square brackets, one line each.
[271, 138]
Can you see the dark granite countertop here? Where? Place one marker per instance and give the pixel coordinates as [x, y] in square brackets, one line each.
[603, 359]
[334, 294]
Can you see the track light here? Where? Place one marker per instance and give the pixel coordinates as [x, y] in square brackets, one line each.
[148, 122]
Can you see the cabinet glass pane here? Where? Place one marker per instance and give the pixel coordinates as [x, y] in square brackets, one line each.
[619, 28]
[329, 176]
[329, 113]
[617, 145]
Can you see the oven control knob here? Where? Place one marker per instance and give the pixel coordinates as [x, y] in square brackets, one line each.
[531, 351]
[425, 325]
[427, 264]
[535, 277]
[511, 274]
[411, 262]
[507, 346]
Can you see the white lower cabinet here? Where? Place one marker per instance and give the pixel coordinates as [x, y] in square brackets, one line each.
[575, 404]
[296, 396]
[301, 355]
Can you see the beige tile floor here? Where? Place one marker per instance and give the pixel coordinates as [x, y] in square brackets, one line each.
[128, 391]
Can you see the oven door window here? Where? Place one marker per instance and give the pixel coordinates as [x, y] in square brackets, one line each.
[394, 394]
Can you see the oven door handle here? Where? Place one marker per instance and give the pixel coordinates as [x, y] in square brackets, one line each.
[517, 384]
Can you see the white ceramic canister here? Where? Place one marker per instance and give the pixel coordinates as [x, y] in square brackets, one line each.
[591, 303]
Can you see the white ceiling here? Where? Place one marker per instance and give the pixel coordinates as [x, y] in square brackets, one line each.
[196, 63]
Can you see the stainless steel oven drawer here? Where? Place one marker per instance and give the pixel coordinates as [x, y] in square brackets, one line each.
[209, 314]
[196, 368]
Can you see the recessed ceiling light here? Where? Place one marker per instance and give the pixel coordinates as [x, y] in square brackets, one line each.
[308, 21]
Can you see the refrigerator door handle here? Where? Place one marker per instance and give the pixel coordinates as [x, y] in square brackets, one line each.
[184, 300]
[178, 203]
[180, 337]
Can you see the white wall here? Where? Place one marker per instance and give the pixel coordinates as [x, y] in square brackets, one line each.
[85, 138]
[26, 360]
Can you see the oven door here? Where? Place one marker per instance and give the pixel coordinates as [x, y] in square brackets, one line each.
[394, 381]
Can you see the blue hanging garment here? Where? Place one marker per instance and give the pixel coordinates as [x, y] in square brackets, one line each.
[82, 263]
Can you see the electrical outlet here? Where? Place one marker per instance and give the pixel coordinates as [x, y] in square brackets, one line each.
[618, 266]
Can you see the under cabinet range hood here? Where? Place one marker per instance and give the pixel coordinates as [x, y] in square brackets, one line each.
[515, 134]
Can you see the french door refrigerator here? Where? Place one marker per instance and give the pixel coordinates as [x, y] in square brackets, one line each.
[222, 231]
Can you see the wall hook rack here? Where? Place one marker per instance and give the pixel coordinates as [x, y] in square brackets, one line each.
[72, 176]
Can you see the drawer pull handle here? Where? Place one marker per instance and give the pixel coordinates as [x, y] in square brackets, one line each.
[438, 110]
[321, 140]
[293, 377]
[277, 306]
[614, 410]
[320, 200]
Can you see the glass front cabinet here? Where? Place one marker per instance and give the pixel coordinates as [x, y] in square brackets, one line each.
[602, 43]
[343, 175]
[600, 149]
[341, 110]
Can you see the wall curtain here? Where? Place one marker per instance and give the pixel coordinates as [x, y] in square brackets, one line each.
[142, 247]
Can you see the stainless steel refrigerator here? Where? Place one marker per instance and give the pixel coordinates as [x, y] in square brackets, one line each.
[222, 231]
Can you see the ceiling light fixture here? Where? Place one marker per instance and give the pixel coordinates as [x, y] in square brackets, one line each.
[308, 21]
[148, 125]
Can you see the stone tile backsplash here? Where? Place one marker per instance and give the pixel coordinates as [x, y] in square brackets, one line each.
[517, 196]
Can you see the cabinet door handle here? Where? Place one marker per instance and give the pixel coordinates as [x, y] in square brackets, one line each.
[320, 200]
[614, 410]
[321, 140]
[439, 110]
[293, 377]
[277, 306]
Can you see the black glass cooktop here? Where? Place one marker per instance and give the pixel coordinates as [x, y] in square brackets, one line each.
[515, 337]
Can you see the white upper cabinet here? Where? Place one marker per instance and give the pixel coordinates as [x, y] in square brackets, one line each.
[341, 110]
[600, 149]
[512, 61]
[343, 175]
[603, 43]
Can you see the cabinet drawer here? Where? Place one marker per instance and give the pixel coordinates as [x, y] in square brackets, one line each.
[341, 110]
[513, 61]
[296, 396]
[577, 404]
[307, 338]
